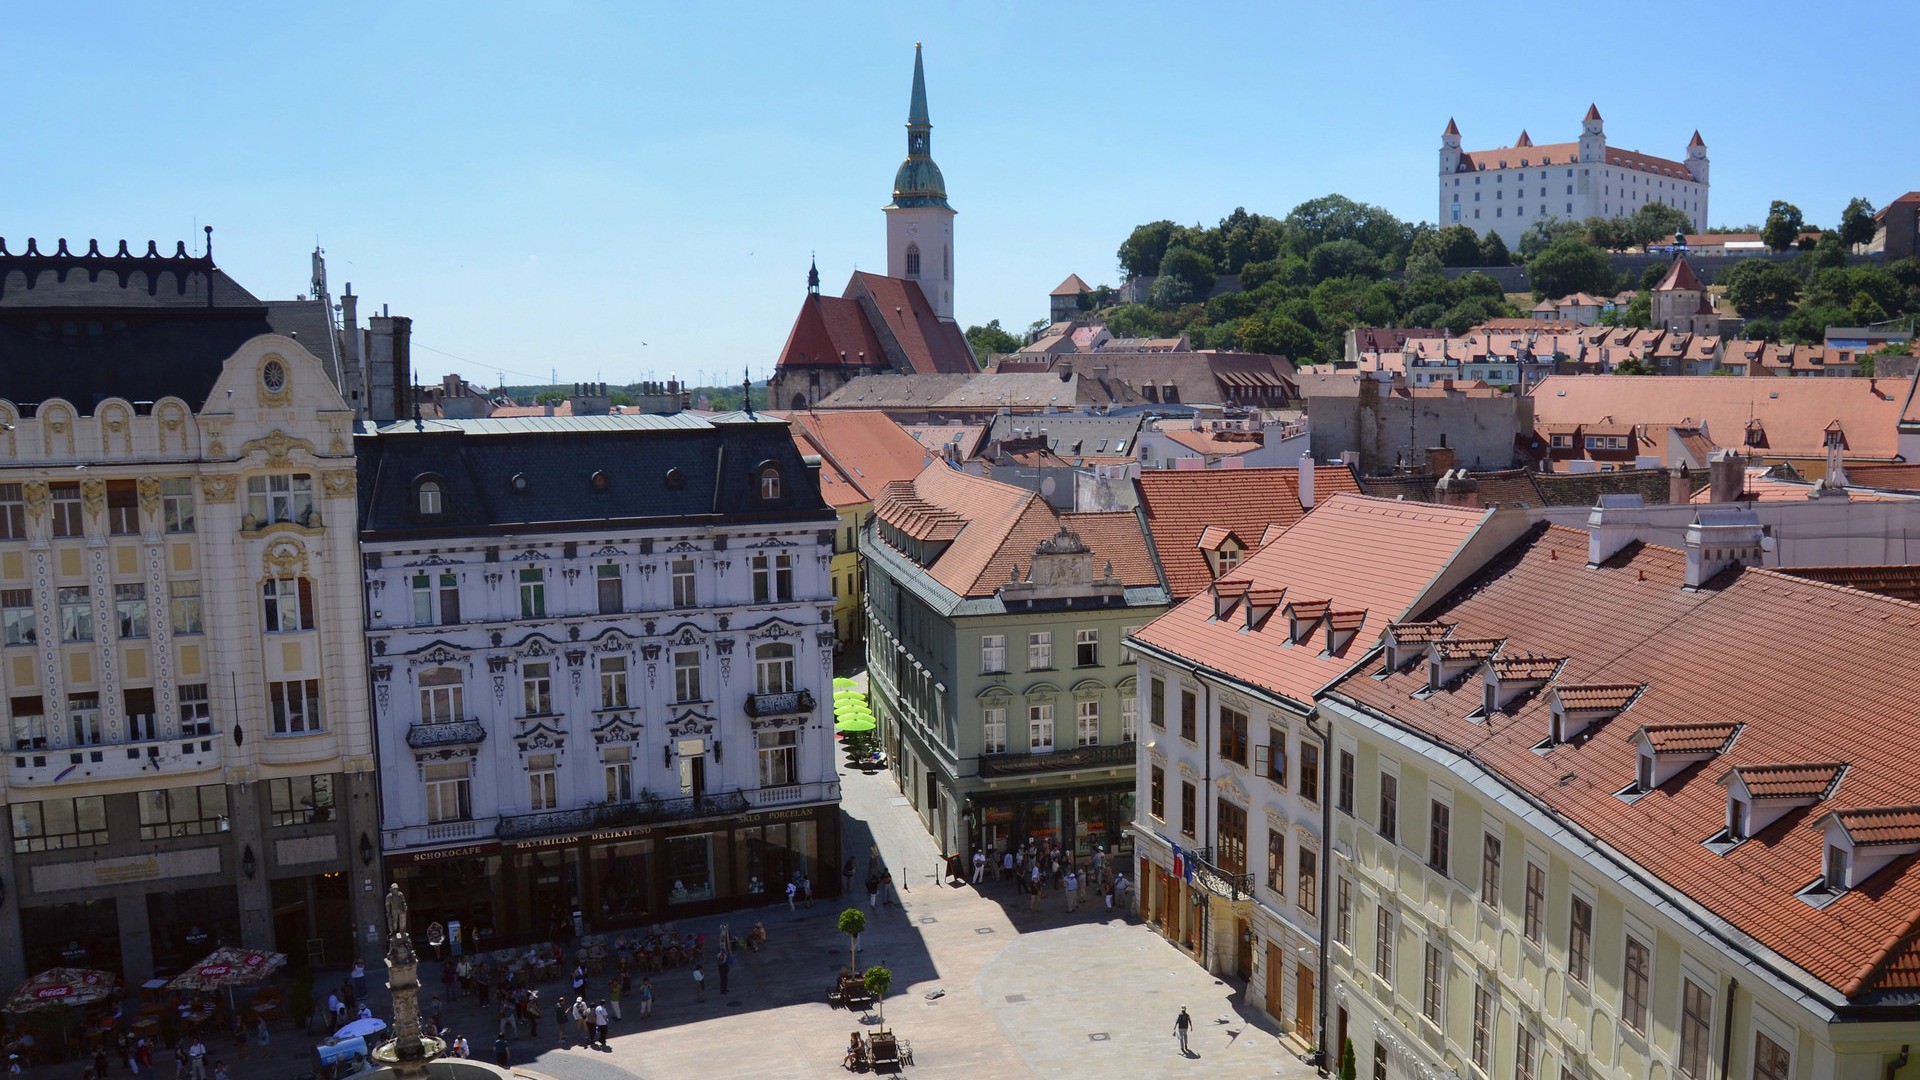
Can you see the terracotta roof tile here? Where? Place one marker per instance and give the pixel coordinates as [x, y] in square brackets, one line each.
[1794, 413]
[1838, 685]
[1814, 781]
[1882, 825]
[1308, 610]
[832, 331]
[1347, 621]
[1387, 555]
[1214, 537]
[930, 344]
[1073, 286]
[1418, 633]
[1478, 648]
[1607, 696]
[1899, 582]
[1526, 667]
[1178, 506]
[1689, 738]
[865, 447]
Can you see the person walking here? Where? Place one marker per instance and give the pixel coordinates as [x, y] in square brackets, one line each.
[507, 1018]
[579, 980]
[615, 987]
[726, 968]
[560, 1021]
[1073, 891]
[1181, 1025]
[806, 889]
[646, 997]
[359, 980]
[846, 875]
[979, 865]
[699, 983]
[583, 1019]
[502, 1051]
[793, 889]
[531, 1007]
[1006, 864]
[888, 897]
[197, 1059]
[600, 1021]
[873, 890]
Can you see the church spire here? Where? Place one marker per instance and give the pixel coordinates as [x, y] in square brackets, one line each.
[813, 277]
[918, 181]
[917, 110]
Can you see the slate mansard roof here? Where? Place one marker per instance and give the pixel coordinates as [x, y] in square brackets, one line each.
[83, 326]
[564, 474]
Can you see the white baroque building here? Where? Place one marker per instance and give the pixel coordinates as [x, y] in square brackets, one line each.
[601, 655]
[190, 762]
[1510, 189]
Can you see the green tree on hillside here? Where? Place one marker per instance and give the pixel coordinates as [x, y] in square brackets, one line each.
[989, 339]
[1143, 248]
[1571, 266]
[1185, 275]
[1493, 251]
[1760, 289]
[1656, 221]
[1856, 223]
[1783, 226]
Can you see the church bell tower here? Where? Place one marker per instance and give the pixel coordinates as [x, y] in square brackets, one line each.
[919, 221]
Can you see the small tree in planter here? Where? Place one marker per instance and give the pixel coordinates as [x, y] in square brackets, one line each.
[879, 980]
[1349, 1068]
[853, 923]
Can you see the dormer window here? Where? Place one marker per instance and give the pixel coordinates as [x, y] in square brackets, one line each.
[1666, 750]
[1834, 874]
[1759, 795]
[1342, 626]
[1575, 708]
[1303, 616]
[1859, 844]
[769, 483]
[1225, 560]
[428, 497]
[1643, 772]
[1225, 595]
[1260, 604]
[1407, 641]
[1450, 658]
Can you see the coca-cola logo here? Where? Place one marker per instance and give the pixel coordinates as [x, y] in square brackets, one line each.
[49, 992]
[214, 971]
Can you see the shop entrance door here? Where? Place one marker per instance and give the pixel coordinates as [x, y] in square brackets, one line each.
[693, 767]
[1243, 949]
[1276, 981]
[1303, 1003]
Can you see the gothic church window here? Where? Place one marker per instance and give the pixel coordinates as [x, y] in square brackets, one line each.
[913, 260]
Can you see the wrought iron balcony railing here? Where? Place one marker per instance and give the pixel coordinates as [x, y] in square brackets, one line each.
[642, 811]
[1217, 880]
[448, 733]
[787, 704]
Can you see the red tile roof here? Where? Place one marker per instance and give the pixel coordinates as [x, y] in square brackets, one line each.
[1611, 696]
[1899, 582]
[1419, 633]
[832, 331]
[1689, 738]
[1178, 505]
[865, 449]
[1478, 648]
[1793, 413]
[930, 344]
[1813, 781]
[1366, 554]
[1881, 825]
[1680, 276]
[1073, 286]
[1838, 686]
[1526, 667]
[1567, 153]
[991, 528]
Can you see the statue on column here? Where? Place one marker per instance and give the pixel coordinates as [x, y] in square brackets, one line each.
[406, 1051]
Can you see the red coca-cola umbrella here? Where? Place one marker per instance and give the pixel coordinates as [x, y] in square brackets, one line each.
[229, 966]
[62, 986]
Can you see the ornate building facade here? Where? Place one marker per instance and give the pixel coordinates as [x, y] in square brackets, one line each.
[185, 687]
[601, 653]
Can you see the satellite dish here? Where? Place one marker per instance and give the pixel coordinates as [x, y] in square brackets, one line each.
[1047, 485]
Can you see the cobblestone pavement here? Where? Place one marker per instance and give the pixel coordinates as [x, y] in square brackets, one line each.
[982, 988]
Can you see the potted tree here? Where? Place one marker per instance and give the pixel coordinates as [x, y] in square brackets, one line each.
[878, 980]
[853, 923]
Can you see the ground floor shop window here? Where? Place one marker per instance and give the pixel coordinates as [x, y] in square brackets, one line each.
[86, 935]
[623, 882]
[690, 868]
[313, 920]
[461, 894]
[187, 924]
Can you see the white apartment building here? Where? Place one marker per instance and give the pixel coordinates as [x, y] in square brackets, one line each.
[601, 660]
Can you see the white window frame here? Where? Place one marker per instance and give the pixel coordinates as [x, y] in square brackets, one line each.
[685, 574]
[686, 675]
[1040, 650]
[993, 654]
[449, 791]
[536, 688]
[543, 782]
[1082, 641]
[613, 682]
[993, 730]
[1087, 728]
[1040, 727]
[773, 671]
[442, 702]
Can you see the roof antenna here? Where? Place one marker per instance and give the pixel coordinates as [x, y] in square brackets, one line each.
[746, 389]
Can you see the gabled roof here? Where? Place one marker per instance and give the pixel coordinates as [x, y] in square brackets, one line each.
[1890, 825]
[1073, 286]
[1805, 781]
[832, 331]
[1372, 557]
[867, 448]
[1593, 112]
[991, 528]
[927, 343]
[1687, 739]
[1680, 276]
[1177, 506]
[1838, 687]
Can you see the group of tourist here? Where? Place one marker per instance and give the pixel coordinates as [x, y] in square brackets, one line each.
[1035, 868]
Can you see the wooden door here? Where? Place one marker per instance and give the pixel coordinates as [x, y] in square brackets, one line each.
[1303, 1003]
[1276, 982]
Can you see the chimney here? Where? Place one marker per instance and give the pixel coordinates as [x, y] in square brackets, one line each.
[1611, 525]
[1729, 475]
[350, 325]
[1439, 460]
[1456, 488]
[1719, 538]
[1679, 485]
[1306, 481]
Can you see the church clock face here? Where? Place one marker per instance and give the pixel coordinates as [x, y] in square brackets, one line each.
[913, 229]
[919, 144]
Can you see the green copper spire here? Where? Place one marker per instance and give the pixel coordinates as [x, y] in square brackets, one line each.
[918, 182]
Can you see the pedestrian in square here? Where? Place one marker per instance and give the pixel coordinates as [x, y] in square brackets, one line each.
[873, 890]
[646, 997]
[726, 968]
[560, 1020]
[699, 984]
[502, 1052]
[615, 986]
[359, 980]
[1073, 891]
[979, 865]
[793, 889]
[806, 889]
[1181, 1025]
[887, 896]
[531, 1007]
[1006, 864]
[197, 1058]
[583, 1019]
[600, 1021]
[846, 876]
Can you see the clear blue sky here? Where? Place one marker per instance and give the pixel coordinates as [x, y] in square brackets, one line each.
[548, 186]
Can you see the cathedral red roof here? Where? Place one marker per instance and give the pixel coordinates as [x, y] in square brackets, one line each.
[1680, 276]
[832, 330]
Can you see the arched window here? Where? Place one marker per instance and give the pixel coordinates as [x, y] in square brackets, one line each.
[442, 696]
[773, 668]
[426, 498]
[913, 260]
[769, 482]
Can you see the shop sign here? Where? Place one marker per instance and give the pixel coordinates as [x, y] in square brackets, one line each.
[465, 851]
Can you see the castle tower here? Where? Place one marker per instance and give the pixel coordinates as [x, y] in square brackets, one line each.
[1593, 136]
[1450, 149]
[919, 221]
[1697, 158]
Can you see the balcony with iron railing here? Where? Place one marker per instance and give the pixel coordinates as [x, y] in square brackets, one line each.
[1218, 880]
[784, 704]
[1104, 756]
[793, 794]
[646, 810]
[446, 733]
